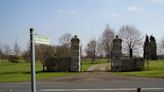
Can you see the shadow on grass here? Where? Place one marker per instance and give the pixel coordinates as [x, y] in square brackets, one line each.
[6, 73]
[37, 72]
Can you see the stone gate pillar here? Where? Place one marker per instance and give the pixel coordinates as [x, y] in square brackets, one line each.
[116, 54]
[75, 54]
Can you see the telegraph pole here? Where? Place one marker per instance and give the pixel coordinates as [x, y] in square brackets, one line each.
[32, 48]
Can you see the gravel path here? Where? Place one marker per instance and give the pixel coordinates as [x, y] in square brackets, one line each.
[99, 68]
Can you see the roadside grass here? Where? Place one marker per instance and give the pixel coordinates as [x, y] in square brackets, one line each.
[16, 72]
[156, 70]
[12, 72]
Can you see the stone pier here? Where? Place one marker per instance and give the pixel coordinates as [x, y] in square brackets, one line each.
[75, 55]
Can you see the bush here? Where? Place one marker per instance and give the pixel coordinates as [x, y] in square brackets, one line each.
[16, 59]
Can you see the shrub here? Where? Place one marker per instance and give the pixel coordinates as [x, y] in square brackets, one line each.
[16, 59]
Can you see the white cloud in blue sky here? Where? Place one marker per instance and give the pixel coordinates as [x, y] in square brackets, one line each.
[61, 11]
[115, 14]
[78, 17]
[135, 9]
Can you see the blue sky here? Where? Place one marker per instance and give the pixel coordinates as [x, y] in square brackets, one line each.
[85, 18]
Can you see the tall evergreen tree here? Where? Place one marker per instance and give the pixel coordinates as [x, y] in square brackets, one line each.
[153, 48]
[146, 48]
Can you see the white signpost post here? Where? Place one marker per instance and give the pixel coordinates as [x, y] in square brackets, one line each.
[35, 38]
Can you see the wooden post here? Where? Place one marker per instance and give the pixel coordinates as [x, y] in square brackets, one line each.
[139, 90]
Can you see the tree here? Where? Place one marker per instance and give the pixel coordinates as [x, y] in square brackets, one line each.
[43, 52]
[1, 53]
[162, 43]
[153, 48]
[146, 48]
[65, 39]
[16, 57]
[91, 50]
[105, 41]
[161, 47]
[132, 38]
[100, 50]
[16, 49]
[7, 51]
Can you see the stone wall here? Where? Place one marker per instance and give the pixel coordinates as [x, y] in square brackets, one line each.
[132, 64]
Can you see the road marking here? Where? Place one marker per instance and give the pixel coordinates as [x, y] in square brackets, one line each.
[113, 89]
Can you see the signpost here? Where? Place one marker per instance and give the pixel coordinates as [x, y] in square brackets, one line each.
[32, 45]
[41, 39]
[35, 38]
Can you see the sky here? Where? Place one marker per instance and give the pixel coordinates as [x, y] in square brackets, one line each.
[85, 18]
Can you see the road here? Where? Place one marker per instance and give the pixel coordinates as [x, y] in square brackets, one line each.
[89, 82]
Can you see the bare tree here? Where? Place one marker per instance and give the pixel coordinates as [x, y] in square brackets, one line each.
[160, 47]
[162, 42]
[91, 50]
[1, 53]
[16, 48]
[106, 41]
[132, 38]
[100, 50]
[7, 51]
[65, 39]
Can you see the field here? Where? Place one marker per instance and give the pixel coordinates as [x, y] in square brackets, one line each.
[12, 72]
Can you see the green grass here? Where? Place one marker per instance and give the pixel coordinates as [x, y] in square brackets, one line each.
[12, 72]
[156, 70]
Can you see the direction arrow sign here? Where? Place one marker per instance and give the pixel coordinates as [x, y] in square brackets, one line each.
[41, 39]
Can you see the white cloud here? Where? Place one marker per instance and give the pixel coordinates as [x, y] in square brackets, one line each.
[114, 14]
[135, 9]
[158, 1]
[61, 11]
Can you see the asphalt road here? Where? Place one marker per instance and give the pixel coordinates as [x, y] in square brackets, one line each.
[89, 82]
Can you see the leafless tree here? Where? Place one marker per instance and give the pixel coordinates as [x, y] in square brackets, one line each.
[100, 50]
[65, 39]
[6, 51]
[162, 42]
[132, 38]
[106, 40]
[160, 47]
[16, 48]
[1, 53]
[91, 50]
